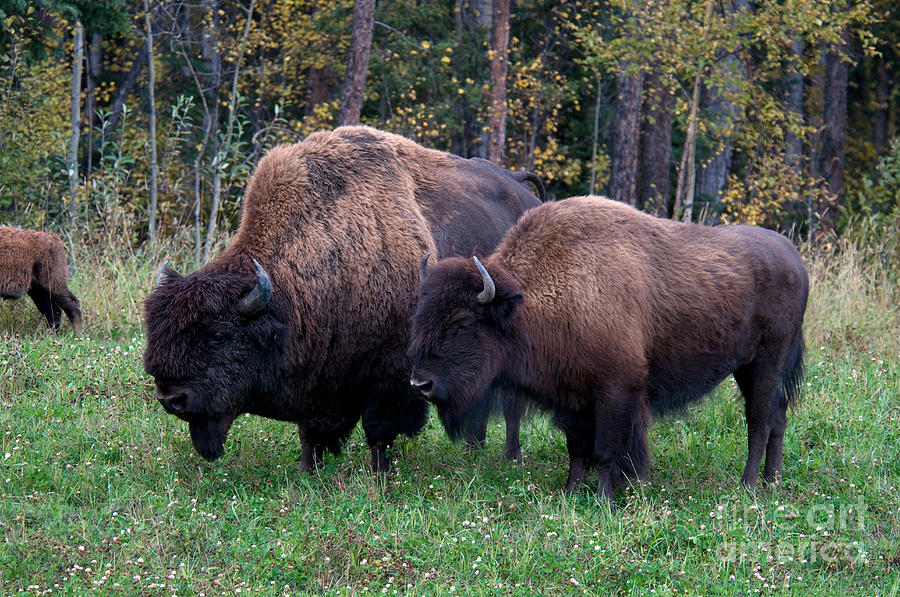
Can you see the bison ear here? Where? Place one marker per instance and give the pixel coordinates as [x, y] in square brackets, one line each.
[500, 310]
[423, 267]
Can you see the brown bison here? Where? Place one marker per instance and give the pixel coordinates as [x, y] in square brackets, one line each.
[34, 261]
[305, 316]
[600, 313]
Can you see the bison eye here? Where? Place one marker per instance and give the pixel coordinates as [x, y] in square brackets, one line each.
[218, 339]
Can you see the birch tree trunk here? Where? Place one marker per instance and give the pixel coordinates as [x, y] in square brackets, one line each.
[151, 90]
[92, 71]
[596, 134]
[225, 149]
[712, 176]
[499, 61]
[684, 192]
[72, 153]
[358, 62]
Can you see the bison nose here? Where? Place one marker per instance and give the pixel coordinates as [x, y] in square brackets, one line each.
[424, 386]
[175, 403]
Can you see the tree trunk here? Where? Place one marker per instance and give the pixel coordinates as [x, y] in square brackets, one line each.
[358, 62]
[92, 63]
[626, 138]
[793, 142]
[831, 158]
[883, 89]
[712, 176]
[225, 148]
[318, 85]
[198, 237]
[654, 181]
[122, 95]
[684, 191]
[499, 60]
[472, 19]
[596, 136]
[154, 167]
[72, 154]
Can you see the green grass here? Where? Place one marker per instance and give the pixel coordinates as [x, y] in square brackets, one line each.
[101, 493]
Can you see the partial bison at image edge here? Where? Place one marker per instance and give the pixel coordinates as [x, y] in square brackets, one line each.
[600, 314]
[305, 316]
[34, 262]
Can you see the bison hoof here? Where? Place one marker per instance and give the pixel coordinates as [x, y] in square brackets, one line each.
[380, 462]
[513, 453]
[772, 478]
[749, 484]
[474, 446]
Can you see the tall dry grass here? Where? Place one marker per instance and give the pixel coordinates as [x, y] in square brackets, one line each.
[854, 302]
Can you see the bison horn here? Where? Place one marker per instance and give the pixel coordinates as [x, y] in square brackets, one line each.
[423, 267]
[257, 299]
[486, 295]
[161, 274]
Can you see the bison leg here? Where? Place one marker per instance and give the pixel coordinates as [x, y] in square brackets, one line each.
[72, 307]
[578, 443]
[394, 410]
[576, 468]
[42, 300]
[513, 407]
[380, 461]
[620, 446]
[775, 445]
[311, 453]
[760, 382]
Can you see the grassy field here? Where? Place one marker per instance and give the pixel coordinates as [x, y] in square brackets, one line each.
[101, 493]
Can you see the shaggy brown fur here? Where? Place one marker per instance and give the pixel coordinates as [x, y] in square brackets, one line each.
[33, 261]
[601, 313]
[339, 222]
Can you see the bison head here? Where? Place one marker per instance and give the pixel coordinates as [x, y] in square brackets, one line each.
[210, 345]
[460, 333]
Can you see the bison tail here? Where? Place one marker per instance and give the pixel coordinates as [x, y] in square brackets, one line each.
[632, 459]
[794, 371]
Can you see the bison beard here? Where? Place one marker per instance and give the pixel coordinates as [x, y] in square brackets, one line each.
[335, 226]
[208, 436]
[599, 314]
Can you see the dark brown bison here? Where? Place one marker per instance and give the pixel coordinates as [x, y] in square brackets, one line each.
[34, 261]
[305, 316]
[600, 313]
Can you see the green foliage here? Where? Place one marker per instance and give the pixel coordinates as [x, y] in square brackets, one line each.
[33, 112]
[38, 27]
[883, 197]
[741, 56]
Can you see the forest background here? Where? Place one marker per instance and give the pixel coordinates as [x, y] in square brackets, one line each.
[782, 114]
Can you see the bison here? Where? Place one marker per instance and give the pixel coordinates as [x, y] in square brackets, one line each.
[34, 261]
[305, 316]
[600, 314]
